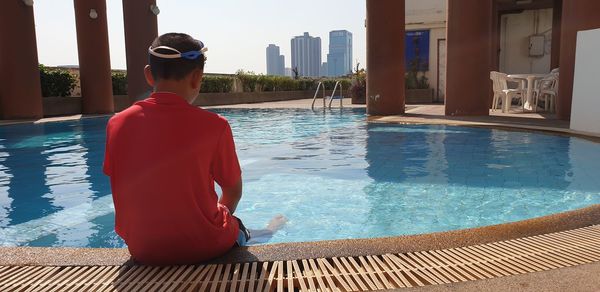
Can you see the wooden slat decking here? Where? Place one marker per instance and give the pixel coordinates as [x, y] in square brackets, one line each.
[363, 273]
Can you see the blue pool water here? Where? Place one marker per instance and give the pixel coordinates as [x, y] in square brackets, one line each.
[333, 175]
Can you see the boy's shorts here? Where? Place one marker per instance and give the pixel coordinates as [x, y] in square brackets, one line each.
[244, 235]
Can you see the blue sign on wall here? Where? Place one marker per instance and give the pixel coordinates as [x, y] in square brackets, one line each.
[417, 50]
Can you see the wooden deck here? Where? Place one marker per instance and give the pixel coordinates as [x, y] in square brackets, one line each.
[363, 273]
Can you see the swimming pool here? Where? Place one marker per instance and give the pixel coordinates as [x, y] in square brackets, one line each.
[334, 176]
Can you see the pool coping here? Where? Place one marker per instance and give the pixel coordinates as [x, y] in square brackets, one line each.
[57, 256]
[509, 126]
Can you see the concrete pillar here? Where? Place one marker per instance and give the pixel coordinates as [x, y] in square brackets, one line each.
[141, 28]
[469, 51]
[20, 92]
[385, 57]
[94, 56]
[576, 15]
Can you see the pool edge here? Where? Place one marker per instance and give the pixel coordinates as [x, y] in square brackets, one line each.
[53, 256]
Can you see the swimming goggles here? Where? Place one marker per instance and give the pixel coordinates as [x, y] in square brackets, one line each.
[191, 55]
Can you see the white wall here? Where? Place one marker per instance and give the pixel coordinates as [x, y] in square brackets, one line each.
[515, 30]
[585, 108]
[425, 11]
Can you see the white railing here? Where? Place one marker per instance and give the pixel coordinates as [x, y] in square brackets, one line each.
[340, 97]
[321, 85]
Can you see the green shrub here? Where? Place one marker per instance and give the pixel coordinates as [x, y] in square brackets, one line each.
[252, 82]
[330, 83]
[249, 80]
[56, 82]
[119, 83]
[307, 84]
[358, 85]
[218, 84]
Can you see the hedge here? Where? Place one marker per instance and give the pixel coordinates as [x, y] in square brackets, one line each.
[59, 82]
[216, 84]
[119, 83]
[56, 82]
[257, 83]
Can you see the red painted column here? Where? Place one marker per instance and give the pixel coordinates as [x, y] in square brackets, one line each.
[141, 28]
[94, 56]
[20, 90]
[385, 57]
[576, 15]
[469, 51]
[556, 31]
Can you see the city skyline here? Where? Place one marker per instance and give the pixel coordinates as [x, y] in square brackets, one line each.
[337, 62]
[235, 42]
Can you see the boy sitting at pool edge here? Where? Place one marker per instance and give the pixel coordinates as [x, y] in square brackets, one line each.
[163, 156]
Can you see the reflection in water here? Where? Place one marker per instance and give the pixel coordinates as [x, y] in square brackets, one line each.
[47, 170]
[69, 186]
[470, 178]
[404, 162]
[584, 158]
[93, 138]
[23, 163]
[5, 177]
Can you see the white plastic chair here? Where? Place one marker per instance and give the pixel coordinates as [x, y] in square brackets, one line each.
[504, 94]
[547, 90]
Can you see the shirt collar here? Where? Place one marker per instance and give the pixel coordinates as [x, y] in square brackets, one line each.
[167, 98]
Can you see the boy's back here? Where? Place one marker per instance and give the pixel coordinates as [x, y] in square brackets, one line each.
[163, 156]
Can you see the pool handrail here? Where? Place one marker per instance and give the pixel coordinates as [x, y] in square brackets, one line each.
[321, 84]
[338, 83]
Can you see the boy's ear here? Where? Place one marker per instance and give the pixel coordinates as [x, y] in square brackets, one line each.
[148, 75]
[196, 79]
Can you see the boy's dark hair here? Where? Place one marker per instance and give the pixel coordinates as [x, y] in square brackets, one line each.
[179, 68]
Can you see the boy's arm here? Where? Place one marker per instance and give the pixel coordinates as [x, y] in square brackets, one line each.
[226, 170]
[231, 196]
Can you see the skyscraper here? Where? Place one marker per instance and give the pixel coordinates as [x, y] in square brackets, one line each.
[306, 55]
[339, 59]
[324, 69]
[275, 61]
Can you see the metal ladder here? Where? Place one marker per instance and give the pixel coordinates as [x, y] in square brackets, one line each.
[321, 85]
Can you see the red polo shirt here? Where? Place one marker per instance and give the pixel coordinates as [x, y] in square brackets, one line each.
[163, 156]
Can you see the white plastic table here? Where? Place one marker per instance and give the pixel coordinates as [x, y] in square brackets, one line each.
[531, 78]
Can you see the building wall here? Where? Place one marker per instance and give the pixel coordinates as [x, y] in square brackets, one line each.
[324, 69]
[425, 11]
[515, 30]
[514, 57]
[275, 61]
[306, 55]
[584, 111]
[339, 59]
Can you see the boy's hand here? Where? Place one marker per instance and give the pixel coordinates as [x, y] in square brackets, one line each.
[231, 196]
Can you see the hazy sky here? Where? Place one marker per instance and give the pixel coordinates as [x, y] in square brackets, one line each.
[236, 32]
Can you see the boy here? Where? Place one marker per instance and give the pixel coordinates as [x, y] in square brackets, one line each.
[163, 156]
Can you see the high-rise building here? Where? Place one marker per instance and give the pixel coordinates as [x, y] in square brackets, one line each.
[275, 61]
[288, 72]
[324, 69]
[339, 59]
[306, 55]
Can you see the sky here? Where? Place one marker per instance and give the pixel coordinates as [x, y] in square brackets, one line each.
[236, 32]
